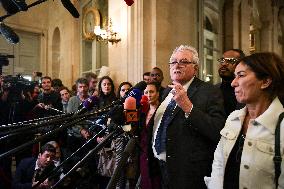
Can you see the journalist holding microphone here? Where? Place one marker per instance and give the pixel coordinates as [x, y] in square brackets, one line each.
[187, 124]
[244, 156]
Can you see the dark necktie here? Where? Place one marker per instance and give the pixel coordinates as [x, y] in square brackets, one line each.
[160, 142]
[37, 174]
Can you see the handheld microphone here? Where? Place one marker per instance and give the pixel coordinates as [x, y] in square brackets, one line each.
[144, 102]
[45, 172]
[8, 34]
[70, 7]
[116, 113]
[21, 5]
[130, 111]
[88, 104]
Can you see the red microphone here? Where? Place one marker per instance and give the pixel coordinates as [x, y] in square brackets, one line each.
[129, 2]
[130, 111]
[144, 104]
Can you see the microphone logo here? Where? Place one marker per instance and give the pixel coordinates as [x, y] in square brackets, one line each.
[131, 115]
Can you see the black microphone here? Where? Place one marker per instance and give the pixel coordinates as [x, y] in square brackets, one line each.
[21, 5]
[70, 7]
[8, 34]
[44, 172]
[9, 6]
[117, 114]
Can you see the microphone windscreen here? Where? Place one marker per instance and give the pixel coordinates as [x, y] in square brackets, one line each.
[131, 114]
[129, 2]
[137, 94]
[144, 104]
[117, 115]
[141, 85]
[90, 102]
[70, 7]
[9, 34]
[144, 99]
[130, 103]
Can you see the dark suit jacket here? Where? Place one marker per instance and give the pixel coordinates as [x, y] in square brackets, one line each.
[24, 174]
[191, 141]
[230, 101]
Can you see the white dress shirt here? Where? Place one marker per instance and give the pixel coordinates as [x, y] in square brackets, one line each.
[158, 118]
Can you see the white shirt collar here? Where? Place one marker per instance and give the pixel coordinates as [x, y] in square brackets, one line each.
[268, 118]
[36, 165]
[187, 84]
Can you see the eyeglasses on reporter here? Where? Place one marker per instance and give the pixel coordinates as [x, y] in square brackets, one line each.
[228, 60]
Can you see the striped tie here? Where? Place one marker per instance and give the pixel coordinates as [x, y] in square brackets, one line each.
[160, 142]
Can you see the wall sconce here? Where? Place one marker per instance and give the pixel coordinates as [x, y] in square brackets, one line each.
[106, 35]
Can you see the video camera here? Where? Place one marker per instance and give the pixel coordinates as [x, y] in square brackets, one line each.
[17, 86]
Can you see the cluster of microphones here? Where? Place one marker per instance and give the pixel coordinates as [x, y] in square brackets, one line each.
[125, 110]
[14, 6]
[124, 113]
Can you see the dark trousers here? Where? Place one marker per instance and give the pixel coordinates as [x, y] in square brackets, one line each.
[164, 174]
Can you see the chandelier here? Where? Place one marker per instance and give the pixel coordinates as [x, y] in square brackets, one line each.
[106, 35]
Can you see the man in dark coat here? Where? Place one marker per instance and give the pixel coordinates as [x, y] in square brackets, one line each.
[48, 99]
[157, 76]
[191, 130]
[227, 65]
[30, 170]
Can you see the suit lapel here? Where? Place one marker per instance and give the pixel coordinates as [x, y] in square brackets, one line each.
[193, 87]
[165, 93]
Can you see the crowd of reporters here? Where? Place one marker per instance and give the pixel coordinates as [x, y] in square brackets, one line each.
[180, 160]
[48, 97]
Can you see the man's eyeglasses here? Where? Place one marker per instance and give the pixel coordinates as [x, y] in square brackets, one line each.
[228, 60]
[181, 63]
